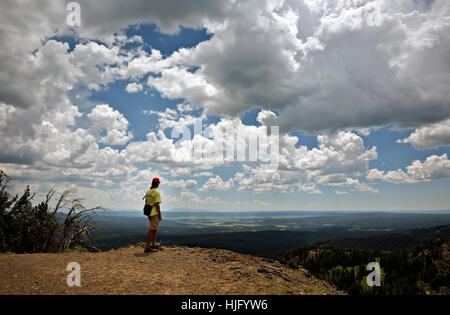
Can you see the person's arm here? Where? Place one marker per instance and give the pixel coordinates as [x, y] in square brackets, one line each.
[159, 210]
[157, 204]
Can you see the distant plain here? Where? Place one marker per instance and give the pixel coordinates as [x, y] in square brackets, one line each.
[260, 233]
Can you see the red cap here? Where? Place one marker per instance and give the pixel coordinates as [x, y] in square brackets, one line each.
[156, 180]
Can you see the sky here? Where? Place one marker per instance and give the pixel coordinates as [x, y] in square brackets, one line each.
[352, 97]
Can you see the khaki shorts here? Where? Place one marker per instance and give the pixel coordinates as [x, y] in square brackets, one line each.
[154, 222]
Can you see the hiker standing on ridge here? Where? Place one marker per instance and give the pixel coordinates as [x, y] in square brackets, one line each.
[153, 199]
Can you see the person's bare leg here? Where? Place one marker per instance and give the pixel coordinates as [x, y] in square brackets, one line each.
[154, 237]
[149, 237]
[149, 234]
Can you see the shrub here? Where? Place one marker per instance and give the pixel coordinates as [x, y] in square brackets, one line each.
[25, 228]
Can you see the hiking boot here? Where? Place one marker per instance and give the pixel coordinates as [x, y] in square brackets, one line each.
[157, 246]
[149, 249]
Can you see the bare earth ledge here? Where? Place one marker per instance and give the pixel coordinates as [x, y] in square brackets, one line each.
[174, 270]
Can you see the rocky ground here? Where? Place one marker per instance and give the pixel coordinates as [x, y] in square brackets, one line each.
[173, 270]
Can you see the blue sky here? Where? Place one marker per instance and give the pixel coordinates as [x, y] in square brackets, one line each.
[362, 129]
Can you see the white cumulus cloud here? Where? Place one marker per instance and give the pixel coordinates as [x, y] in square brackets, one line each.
[134, 88]
[216, 183]
[433, 168]
[430, 137]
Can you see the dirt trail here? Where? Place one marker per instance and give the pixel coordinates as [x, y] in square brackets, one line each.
[174, 270]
